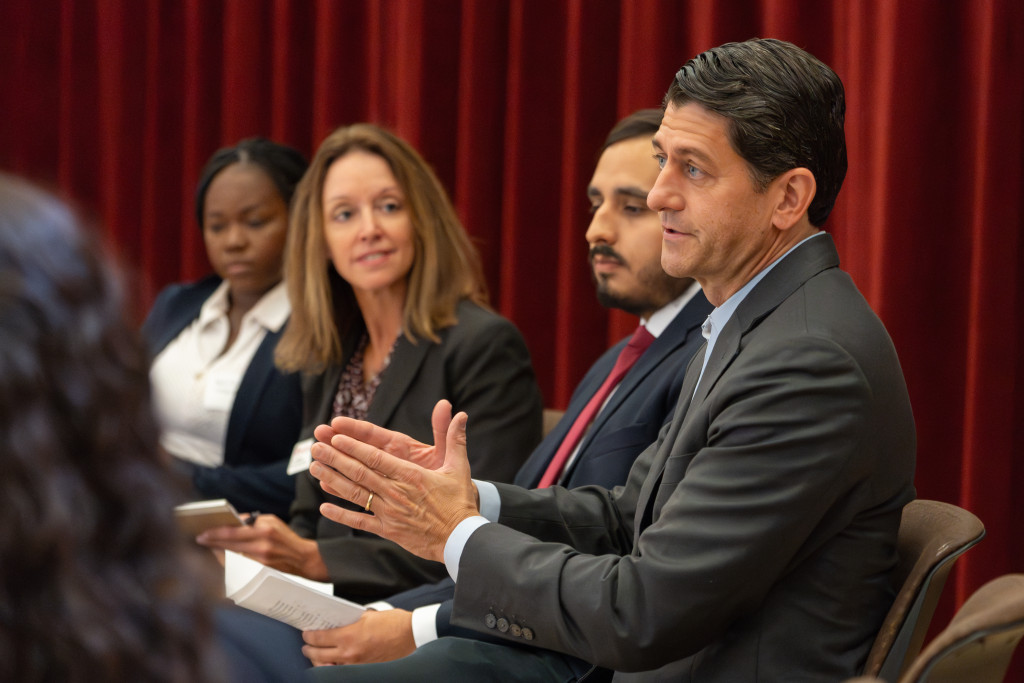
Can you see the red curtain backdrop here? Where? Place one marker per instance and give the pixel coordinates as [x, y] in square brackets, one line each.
[118, 103]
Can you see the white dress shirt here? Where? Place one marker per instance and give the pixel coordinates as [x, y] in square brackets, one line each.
[195, 379]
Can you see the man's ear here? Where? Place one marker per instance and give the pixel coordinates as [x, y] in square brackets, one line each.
[797, 188]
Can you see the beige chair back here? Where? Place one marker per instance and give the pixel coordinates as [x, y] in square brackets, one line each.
[980, 640]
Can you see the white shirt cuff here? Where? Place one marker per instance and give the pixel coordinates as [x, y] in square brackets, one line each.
[380, 606]
[456, 543]
[424, 624]
[490, 500]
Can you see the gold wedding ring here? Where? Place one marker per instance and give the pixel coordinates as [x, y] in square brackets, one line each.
[368, 501]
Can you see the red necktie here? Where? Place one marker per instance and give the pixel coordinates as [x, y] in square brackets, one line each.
[635, 348]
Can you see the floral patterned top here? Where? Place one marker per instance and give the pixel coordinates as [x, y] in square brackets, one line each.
[354, 393]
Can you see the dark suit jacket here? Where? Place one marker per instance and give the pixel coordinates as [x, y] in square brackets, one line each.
[642, 403]
[483, 367]
[753, 540]
[265, 417]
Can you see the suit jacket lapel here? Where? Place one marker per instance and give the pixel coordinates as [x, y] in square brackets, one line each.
[406, 360]
[250, 390]
[805, 262]
[645, 499]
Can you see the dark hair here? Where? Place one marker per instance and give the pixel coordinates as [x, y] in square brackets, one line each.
[641, 123]
[283, 164]
[785, 110]
[96, 583]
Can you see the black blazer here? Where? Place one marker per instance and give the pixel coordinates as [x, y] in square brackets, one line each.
[482, 366]
[644, 401]
[265, 418]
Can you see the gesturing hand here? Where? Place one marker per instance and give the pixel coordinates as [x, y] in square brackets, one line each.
[412, 505]
[395, 443]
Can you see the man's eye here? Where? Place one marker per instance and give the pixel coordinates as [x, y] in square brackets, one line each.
[634, 209]
[594, 206]
[693, 171]
[660, 159]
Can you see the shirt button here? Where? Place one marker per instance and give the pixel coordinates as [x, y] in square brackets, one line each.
[528, 633]
[490, 620]
[515, 630]
[503, 625]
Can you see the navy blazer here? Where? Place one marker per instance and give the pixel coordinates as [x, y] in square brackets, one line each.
[644, 401]
[265, 419]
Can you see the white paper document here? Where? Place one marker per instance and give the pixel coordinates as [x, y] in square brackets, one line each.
[306, 605]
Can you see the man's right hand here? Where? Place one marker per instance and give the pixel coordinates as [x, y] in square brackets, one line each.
[271, 542]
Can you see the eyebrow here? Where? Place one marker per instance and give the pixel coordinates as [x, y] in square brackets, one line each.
[389, 190]
[244, 209]
[683, 151]
[626, 191]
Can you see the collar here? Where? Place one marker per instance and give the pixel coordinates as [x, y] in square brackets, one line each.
[270, 312]
[721, 315]
[664, 316]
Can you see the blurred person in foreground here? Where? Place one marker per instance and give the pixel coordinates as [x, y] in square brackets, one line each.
[389, 315]
[97, 584]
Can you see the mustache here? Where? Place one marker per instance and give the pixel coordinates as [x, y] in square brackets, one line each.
[607, 252]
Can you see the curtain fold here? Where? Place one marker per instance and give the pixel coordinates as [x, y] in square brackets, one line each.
[118, 104]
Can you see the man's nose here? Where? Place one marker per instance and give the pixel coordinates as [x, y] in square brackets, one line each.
[601, 229]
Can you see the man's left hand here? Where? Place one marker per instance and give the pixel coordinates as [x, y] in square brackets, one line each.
[416, 507]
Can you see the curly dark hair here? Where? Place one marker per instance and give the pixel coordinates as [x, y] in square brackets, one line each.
[97, 582]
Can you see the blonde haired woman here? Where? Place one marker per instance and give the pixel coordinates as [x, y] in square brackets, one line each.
[389, 315]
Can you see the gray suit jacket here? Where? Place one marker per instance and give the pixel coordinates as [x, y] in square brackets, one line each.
[753, 540]
[483, 367]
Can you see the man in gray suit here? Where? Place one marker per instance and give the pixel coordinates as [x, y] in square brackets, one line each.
[753, 540]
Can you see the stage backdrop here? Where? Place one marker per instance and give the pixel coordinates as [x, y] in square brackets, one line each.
[119, 102]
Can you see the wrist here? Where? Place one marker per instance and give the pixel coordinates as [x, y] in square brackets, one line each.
[313, 566]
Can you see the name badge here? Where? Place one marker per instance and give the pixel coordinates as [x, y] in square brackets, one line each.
[220, 390]
[301, 457]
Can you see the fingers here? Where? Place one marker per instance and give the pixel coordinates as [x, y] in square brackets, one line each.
[359, 430]
[362, 463]
[351, 518]
[324, 637]
[440, 421]
[323, 433]
[344, 476]
[456, 441]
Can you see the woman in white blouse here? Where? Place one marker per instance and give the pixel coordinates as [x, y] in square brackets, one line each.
[228, 416]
